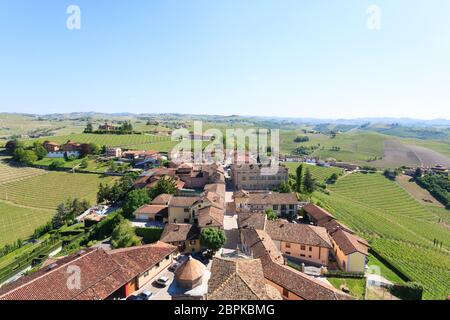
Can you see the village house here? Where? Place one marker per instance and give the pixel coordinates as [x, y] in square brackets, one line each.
[290, 283]
[114, 152]
[107, 127]
[152, 212]
[112, 274]
[298, 242]
[51, 146]
[186, 237]
[317, 215]
[251, 177]
[350, 251]
[283, 204]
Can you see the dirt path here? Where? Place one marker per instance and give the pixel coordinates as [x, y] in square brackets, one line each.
[417, 192]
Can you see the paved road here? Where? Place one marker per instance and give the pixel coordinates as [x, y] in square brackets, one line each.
[230, 227]
[159, 293]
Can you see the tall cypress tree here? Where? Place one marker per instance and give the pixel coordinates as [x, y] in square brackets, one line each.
[298, 180]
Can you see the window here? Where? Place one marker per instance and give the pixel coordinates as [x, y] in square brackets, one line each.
[285, 292]
[186, 220]
[302, 247]
[157, 265]
[275, 207]
[146, 273]
[288, 244]
[309, 256]
[288, 252]
[186, 209]
[310, 248]
[302, 255]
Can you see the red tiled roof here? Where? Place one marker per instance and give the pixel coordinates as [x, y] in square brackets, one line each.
[101, 274]
[350, 243]
[283, 230]
[317, 212]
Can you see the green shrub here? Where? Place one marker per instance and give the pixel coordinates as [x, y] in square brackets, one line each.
[408, 291]
[149, 235]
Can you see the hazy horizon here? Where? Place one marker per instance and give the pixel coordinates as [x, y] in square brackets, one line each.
[289, 59]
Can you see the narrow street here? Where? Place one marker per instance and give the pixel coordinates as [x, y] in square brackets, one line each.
[230, 225]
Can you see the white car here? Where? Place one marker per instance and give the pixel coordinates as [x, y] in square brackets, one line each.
[162, 281]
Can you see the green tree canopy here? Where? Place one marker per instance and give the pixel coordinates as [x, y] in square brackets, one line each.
[271, 215]
[123, 236]
[299, 177]
[166, 185]
[309, 183]
[213, 238]
[134, 200]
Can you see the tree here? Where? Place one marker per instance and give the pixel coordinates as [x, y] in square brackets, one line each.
[89, 128]
[309, 183]
[39, 150]
[284, 187]
[59, 219]
[333, 178]
[95, 149]
[123, 236]
[213, 238]
[134, 200]
[418, 173]
[166, 185]
[299, 176]
[12, 145]
[271, 215]
[84, 163]
[55, 164]
[24, 156]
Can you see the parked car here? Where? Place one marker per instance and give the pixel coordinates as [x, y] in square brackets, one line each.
[162, 281]
[146, 295]
[133, 297]
[174, 266]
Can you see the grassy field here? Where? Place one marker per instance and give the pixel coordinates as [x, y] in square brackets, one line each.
[354, 147]
[135, 141]
[357, 287]
[398, 227]
[321, 174]
[47, 191]
[19, 222]
[10, 173]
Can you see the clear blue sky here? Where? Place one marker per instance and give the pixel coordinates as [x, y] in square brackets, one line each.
[251, 57]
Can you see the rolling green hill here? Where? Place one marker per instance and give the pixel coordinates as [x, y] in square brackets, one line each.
[397, 226]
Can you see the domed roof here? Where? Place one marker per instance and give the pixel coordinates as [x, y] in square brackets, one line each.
[191, 270]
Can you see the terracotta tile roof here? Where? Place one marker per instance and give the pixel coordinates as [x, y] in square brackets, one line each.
[306, 287]
[334, 225]
[238, 279]
[102, 273]
[260, 245]
[162, 199]
[265, 198]
[299, 283]
[350, 243]
[318, 213]
[210, 217]
[283, 230]
[152, 209]
[252, 220]
[181, 201]
[179, 232]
